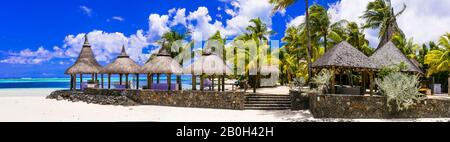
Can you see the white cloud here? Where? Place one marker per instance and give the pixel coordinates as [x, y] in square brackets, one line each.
[230, 12]
[179, 18]
[86, 10]
[296, 21]
[118, 18]
[28, 56]
[158, 25]
[423, 20]
[106, 46]
[247, 10]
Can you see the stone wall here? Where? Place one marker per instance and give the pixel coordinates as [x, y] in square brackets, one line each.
[351, 106]
[202, 99]
[76, 96]
[206, 99]
[299, 101]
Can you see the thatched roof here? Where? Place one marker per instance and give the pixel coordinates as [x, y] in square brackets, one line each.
[86, 62]
[209, 63]
[344, 55]
[122, 65]
[162, 63]
[389, 55]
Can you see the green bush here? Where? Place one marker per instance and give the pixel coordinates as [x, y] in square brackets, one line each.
[401, 90]
[322, 80]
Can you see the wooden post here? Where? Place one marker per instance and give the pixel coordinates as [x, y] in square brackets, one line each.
[81, 80]
[92, 77]
[75, 82]
[169, 82]
[96, 78]
[212, 80]
[194, 82]
[71, 82]
[109, 81]
[148, 81]
[223, 83]
[126, 80]
[180, 87]
[157, 78]
[371, 83]
[202, 85]
[218, 83]
[137, 82]
[333, 81]
[120, 79]
[101, 75]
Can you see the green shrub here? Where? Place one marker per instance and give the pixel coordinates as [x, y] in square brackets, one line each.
[299, 82]
[322, 80]
[401, 90]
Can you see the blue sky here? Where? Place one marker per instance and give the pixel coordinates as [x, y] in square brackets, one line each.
[42, 38]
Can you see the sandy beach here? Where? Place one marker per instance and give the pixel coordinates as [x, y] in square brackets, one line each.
[30, 105]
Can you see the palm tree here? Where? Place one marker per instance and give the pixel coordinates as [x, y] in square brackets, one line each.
[439, 59]
[380, 14]
[408, 47]
[320, 22]
[259, 32]
[283, 4]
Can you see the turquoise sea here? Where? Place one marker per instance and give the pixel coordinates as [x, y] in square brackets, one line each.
[9, 83]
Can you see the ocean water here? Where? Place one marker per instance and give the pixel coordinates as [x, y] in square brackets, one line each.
[15, 83]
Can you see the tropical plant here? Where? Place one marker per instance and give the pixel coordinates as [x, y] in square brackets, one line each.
[299, 82]
[380, 14]
[283, 4]
[439, 59]
[401, 90]
[322, 80]
[407, 46]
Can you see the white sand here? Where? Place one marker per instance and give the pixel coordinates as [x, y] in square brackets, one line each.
[33, 107]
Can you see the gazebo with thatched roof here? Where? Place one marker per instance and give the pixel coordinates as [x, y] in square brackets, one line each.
[389, 55]
[162, 64]
[344, 56]
[209, 64]
[85, 64]
[123, 65]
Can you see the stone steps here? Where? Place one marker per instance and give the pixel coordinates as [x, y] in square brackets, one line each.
[267, 102]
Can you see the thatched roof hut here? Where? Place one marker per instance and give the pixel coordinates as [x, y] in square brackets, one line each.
[209, 63]
[389, 55]
[162, 63]
[122, 65]
[344, 55]
[86, 62]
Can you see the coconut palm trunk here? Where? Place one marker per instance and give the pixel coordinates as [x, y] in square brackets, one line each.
[308, 42]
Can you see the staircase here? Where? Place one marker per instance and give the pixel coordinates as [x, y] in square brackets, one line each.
[267, 102]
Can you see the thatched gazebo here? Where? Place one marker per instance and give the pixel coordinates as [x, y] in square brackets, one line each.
[209, 64]
[85, 64]
[162, 64]
[123, 65]
[344, 56]
[390, 55]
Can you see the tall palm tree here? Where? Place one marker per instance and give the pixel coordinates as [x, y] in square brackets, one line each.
[380, 14]
[283, 4]
[259, 32]
[320, 22]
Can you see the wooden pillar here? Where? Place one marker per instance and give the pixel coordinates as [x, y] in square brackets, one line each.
[194, 82]
[149, 86]
[333, 81]
[254, 83]
[212, 81]
[71, 82]
[101, 75]
[340, 78]
[371, 83]
[109, 81]
[120, 79]
[168, 82]
[223, 83]
[218, 83]
[74, 82]
[202, 80]
[137, 82]
[157, 78]
[92, 77]
[96, 78]
[126, 80]
[81, 80]
[180, 87]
